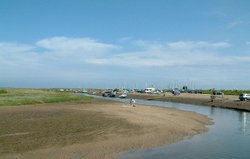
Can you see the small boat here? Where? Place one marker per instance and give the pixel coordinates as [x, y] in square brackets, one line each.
[123, 95]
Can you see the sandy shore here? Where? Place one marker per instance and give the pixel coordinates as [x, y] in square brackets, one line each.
[229, 101]
[100, 129]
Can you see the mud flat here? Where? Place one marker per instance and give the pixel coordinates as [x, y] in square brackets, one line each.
[94, 130]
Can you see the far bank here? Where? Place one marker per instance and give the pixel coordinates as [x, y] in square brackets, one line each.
[229, 101]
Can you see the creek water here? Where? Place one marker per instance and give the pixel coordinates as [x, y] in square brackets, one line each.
[227, 138]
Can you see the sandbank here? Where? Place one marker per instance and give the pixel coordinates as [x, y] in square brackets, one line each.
[99, 129]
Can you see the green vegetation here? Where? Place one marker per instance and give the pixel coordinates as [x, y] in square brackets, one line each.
[227, 92]
[3, 91]
[14, 97]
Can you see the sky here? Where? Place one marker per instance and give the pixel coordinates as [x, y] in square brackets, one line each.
[125, 43]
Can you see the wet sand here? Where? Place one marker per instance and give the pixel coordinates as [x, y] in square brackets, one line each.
[229, 101]
[99, 129]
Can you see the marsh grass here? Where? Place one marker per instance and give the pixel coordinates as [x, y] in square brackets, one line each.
[15, 97]
[3, 91]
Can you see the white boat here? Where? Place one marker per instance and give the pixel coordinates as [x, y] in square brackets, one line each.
[150, 90]
[123, 95]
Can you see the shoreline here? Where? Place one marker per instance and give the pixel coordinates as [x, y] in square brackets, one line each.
[229, 101]
[119, 128]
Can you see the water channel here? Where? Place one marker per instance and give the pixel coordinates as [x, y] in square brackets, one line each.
[227, 138]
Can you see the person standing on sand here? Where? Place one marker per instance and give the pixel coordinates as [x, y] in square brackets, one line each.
[132, 102]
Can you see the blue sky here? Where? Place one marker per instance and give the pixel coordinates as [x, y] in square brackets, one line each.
[131, 43]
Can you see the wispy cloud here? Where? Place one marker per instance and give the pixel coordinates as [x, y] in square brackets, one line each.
[13, 53]
[82, 44]
[187, 45]
[67, 58]
[147, 54]
[235, 24]
[74, 49]
[52, 54]
[14, 47]
[218, 13]
[170, 54]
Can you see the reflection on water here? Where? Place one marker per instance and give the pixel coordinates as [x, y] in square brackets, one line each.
[212, 110]
[227, 138]
[245, 121]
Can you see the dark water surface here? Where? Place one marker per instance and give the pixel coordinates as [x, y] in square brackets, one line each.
[227, 138]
